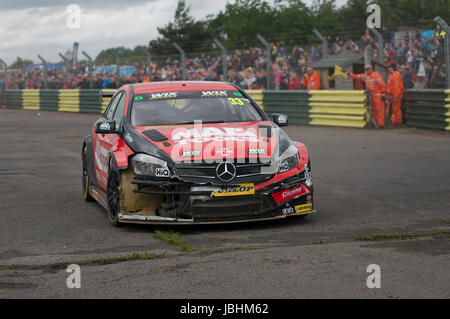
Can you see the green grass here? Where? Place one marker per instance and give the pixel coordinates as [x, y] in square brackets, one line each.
[185, 247]
[118, 259]
[318, 242]
[172, 238]
[93, 261]
[444, 220]
[383, 236]
[9, 266]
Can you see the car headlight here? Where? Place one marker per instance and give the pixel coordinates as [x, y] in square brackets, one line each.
[146, 165]
[289, 159]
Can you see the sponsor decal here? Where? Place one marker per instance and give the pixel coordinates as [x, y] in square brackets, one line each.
[237, 94]
[303, 208]
[162, 172]
[214, 134]
[288, 211]
[138, 98]
[282, 119]
[166, 95]
[288, 194]
[128, 138]
[284, 167]
[239, 190]
[256, 151]
[214, 93]
[224, 152]
[191, 154]
[105, 126]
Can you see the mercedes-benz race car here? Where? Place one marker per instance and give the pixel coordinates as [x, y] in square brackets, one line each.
[193, 153]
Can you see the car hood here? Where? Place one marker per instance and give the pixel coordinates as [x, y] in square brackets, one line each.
[221, 141]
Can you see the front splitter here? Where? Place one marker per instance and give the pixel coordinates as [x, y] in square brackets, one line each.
[156, 220]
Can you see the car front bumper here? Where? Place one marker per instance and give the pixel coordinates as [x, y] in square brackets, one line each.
[198, 206]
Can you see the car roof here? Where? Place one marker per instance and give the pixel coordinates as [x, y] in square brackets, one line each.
[181, 86]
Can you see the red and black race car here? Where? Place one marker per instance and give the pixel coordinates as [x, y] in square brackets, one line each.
[193, 153]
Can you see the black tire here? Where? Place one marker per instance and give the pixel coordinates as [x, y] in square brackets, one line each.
[85, 183]
[113, 196]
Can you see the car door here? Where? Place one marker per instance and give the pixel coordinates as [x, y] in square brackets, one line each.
[103, 143]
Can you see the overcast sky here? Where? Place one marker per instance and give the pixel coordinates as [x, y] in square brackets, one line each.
[28, 28]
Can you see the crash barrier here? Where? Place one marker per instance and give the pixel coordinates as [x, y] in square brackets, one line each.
[329, 108]
[326, 108]
[428, 109]
[83, 101]
[257, 95]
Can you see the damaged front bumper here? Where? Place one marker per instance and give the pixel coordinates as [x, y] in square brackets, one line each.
[184, 203]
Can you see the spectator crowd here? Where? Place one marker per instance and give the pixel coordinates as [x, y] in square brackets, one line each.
[421, 62]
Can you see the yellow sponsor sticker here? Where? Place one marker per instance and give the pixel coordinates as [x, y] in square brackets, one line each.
[303, 208]
[238, 190]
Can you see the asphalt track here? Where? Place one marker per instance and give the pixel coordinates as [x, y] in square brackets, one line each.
[366, 181]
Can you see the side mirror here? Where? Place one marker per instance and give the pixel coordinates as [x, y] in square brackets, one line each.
[106, 127]
[280, 119]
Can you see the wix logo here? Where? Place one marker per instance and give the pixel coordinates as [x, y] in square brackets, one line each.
[213, 93]
[167, 95]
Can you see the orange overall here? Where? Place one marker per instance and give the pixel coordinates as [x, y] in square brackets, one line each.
[377, 88]
[395, 91]
[312, 82]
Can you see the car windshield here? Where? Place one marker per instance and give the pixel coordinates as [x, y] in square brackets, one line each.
[169, 108]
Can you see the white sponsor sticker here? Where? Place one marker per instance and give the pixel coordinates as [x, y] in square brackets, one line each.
[167, 95]
[162, 172]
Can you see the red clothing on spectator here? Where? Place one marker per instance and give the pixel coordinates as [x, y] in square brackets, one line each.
[294, 84]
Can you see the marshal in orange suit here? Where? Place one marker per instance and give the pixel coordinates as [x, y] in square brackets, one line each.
[377, 88]
[395, 91]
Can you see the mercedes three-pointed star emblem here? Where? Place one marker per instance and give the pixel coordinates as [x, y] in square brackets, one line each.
[226, 172]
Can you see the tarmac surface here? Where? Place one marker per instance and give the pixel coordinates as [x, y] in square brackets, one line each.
[390, 185]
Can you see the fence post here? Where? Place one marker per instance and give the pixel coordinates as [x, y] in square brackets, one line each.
[324, 42]
[23, 70]
[446, 28]
[380, 44]
[269, 60]
[5, 66]
[116, 54]
[183, 61]
[149, 63]
[224, 59]
[45, 71]
[66, 62]
[90, 64]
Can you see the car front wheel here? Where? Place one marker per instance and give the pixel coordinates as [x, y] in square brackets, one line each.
[113, 196]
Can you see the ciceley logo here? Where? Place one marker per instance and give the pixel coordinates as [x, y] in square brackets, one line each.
[166, 95]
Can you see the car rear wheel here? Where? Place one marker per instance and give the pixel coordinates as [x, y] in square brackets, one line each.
[113, 196]
[85, 179]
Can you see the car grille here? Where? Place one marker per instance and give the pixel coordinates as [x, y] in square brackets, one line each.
[229, 208]
[245, 172]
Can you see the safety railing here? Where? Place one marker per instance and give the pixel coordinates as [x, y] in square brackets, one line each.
[428, 109]
[329, 108]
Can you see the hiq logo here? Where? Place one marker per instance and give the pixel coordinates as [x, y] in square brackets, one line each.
[73, 16]
[374, 20]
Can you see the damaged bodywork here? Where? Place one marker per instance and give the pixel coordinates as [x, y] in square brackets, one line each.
[194, 153]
